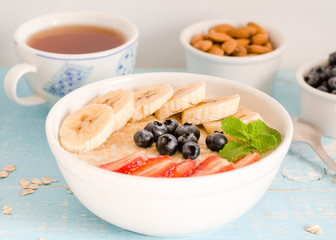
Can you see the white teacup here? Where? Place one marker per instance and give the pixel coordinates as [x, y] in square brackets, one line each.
[53, 75]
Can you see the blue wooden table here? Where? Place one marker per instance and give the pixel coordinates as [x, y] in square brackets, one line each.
[302, 194]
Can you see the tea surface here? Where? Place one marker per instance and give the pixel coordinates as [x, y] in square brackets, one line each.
[76, 39]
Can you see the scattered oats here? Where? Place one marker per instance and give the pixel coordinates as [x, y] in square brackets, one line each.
[316, 229]
[24, 183]
[47, 180]
[9, 168]
[4, 174]
[70, 191]
[6, 210]
[36, 181]
[2, 197]
[27, 191]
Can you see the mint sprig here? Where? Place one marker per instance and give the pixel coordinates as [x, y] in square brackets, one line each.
[252, 137]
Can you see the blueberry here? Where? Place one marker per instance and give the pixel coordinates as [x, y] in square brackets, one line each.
[330, 71]
[325, 83]
[332, 59]
[167, 144]
[332, 83]
[186, 137]
[143, 138]
[190, 150]
[171, 125]
[323, 88]
[312, 79]
[216, 141]
[187, 128]
[156, 128]
[320, 71]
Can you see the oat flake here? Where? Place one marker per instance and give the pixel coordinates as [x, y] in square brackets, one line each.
[36, 181]
[47, 180]
[9, 168]
[4, 174]
[316, 229]
[6, 210]
[24, 183]
[27, 191]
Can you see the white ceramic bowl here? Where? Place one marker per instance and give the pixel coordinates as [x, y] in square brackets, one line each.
[317, 106]
[257, 71]
[162, 206]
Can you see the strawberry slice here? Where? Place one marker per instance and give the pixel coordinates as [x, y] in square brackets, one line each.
[212, 165]
[184, 169]
[247, 160]
[169, 172]
[154, 167]
[133, 165]
[127, 163]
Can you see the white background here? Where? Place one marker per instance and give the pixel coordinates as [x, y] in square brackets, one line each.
[310, 25]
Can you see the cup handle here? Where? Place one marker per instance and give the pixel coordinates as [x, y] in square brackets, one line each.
[11, 80]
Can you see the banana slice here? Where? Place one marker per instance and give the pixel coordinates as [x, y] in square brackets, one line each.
[149, 99]
[184, 97]
[211, 109]
[122, 102]
[245, 115]
[87, 128]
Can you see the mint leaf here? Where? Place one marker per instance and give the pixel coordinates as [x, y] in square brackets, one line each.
[264, 142]
[259, 127]
[235, 128]
[255, 136]
[233, 151]
[275, 133]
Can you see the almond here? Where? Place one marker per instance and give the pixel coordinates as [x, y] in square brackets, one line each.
[243, 42]
[258, 49]
[259, 39]
[229, 46]
[197, 38]
[240, 51]
[269, 46]
[222, 28]
[203, 45]
[256, 27]
[242, 32]
[216, 49]
[218, 37]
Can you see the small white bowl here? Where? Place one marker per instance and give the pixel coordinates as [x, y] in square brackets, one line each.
[317, 106]
[257, 71]
[168, 207]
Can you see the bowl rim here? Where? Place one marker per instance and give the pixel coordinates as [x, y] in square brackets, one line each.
[303, 70]
[187, 32]
[53, 142]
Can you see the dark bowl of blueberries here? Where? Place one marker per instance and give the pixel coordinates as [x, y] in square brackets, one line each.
[317, 81]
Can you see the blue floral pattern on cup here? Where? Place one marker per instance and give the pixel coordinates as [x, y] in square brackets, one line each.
[69, 77]
[127, 61]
